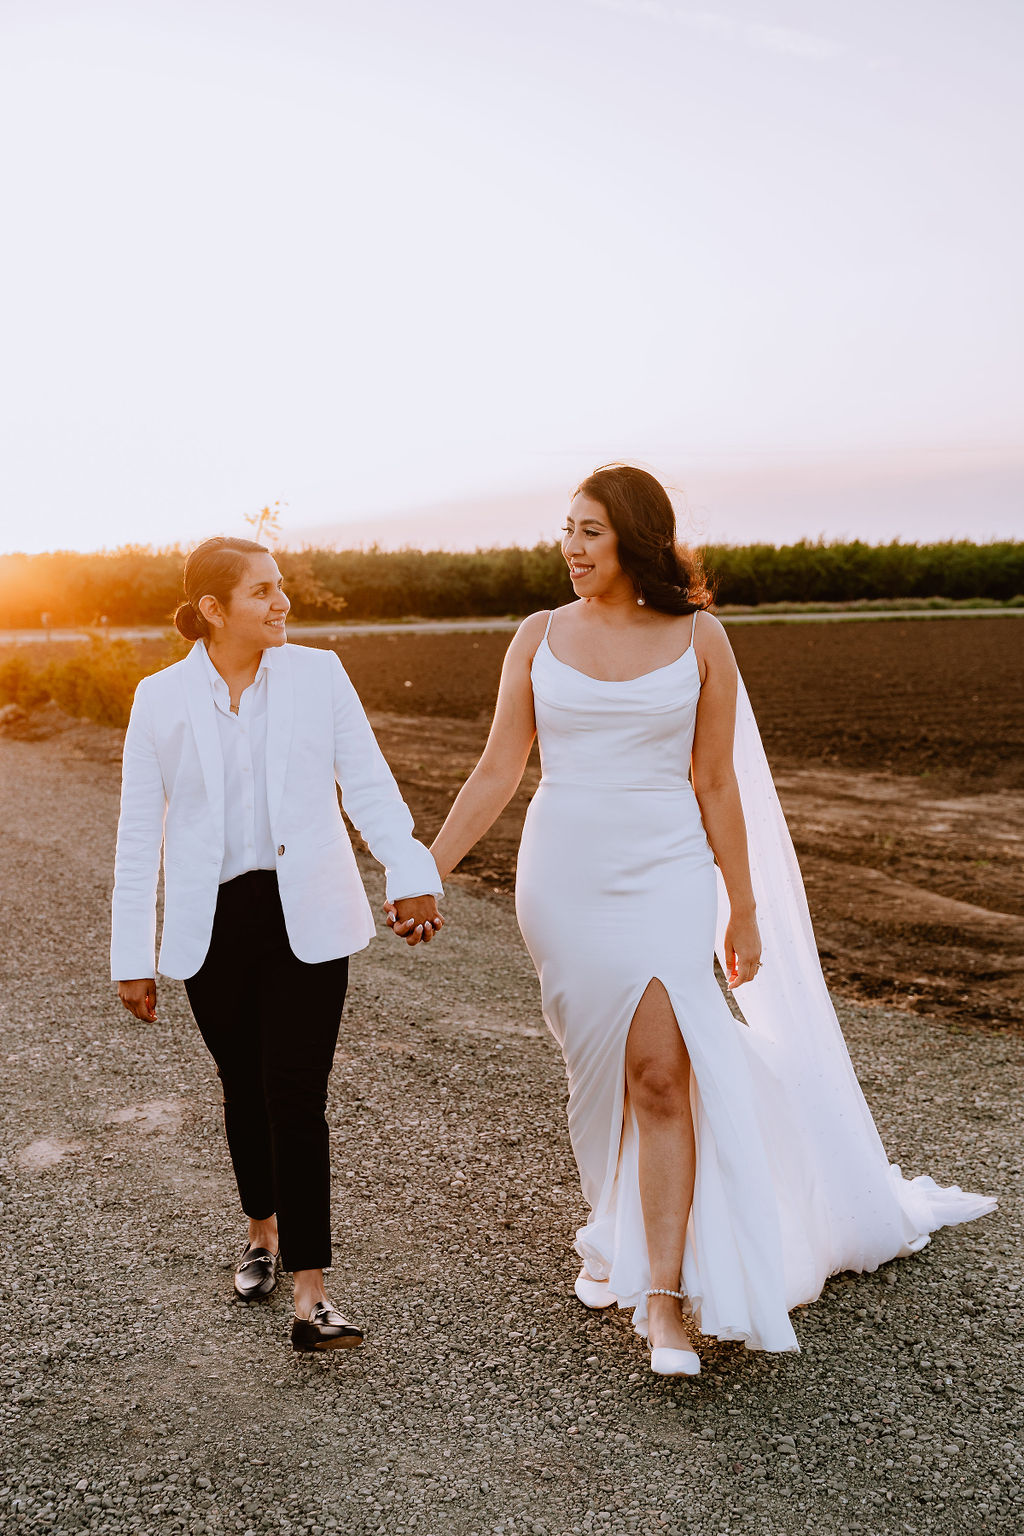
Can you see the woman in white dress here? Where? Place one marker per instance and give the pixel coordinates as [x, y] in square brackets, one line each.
[729, 1166]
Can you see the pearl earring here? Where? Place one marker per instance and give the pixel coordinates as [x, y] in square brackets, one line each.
[641, 602]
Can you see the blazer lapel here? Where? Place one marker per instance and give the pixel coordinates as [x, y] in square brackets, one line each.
[203, 719]
[280, 717]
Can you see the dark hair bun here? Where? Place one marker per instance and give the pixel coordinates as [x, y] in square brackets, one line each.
[190, 623]
[213, 569]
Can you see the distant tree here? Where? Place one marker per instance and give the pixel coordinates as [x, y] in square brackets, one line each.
[136, 584]
[304, 586]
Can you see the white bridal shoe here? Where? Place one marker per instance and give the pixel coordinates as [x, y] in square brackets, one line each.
[673, 1362]
[594, 1294]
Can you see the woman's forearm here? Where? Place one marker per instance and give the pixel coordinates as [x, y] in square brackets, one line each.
[721, 812]
[477, 807]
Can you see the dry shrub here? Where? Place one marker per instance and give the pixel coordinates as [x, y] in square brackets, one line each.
[97, 683]
[22, 682]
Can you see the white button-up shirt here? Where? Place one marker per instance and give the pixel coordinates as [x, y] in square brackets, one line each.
[248, 843]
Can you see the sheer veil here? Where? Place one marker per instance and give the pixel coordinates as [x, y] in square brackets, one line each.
[863, 1211]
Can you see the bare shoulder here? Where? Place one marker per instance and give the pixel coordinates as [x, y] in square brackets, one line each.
[708, 625]
[711, 642]
[529, 636]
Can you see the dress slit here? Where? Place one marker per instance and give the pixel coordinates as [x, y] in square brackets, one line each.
[731, 1251]
[613, 1244]
[693, 1095]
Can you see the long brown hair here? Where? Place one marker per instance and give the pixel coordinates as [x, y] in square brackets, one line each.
[213, 569]
[667, 575]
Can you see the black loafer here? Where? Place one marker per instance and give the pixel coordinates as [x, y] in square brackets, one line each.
[257, 1272]
[325, 1328]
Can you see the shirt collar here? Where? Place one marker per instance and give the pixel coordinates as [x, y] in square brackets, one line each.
[217, 683]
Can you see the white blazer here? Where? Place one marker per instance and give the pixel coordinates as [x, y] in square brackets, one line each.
[172, 793]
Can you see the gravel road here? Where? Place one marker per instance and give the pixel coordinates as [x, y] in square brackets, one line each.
[136, 1396]
[340, 627]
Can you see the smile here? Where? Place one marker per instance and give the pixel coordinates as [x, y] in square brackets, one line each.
[579, 570]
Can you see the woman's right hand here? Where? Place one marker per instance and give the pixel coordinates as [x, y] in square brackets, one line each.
[139, 997]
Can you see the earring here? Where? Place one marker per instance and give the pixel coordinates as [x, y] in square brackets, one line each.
[641, 602]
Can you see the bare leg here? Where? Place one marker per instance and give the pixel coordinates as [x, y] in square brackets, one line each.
[309, 1289]
[309, 1283]
[658, 1084]
[263, 1234]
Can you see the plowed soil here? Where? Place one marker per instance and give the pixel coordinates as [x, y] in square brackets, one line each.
[898, 749]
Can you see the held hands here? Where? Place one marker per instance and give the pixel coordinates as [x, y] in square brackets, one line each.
[742, 950]
[139, 997]
[414, 919]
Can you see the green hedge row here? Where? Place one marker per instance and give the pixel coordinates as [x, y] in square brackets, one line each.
[139, 585]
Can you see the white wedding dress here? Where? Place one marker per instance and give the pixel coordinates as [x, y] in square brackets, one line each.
[616, 886]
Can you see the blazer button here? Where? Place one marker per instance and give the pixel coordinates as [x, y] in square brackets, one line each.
[280, 850]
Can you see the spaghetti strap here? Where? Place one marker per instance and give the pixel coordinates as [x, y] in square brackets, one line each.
[693, 627]
[548, 624]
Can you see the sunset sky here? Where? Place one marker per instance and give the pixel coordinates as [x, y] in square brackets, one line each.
[415, 269]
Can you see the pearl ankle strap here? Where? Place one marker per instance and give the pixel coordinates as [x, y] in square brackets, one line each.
[660, 1291]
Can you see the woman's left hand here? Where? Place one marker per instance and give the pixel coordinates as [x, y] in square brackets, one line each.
[742, 950]
[414, 918]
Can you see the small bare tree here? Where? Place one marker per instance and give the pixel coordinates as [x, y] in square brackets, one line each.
[266, 523]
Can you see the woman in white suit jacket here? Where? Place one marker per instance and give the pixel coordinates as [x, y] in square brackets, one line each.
[231, 763]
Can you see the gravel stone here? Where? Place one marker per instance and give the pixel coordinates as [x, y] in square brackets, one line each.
[135, 1396]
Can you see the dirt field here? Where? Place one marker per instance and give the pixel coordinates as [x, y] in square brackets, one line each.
[898, 749]
[136, 1398]
[944, 697]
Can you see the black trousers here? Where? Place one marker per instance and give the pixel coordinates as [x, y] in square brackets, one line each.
[271, 1022]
